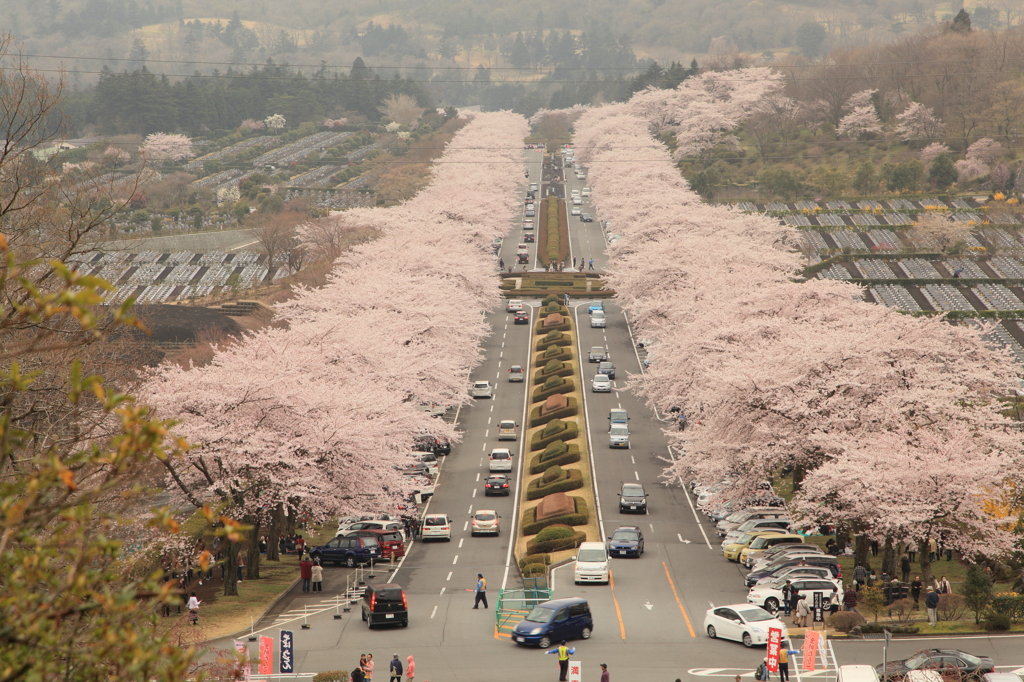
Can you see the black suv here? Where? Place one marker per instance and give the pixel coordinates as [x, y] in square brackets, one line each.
[632, 498]
[348, 550]
[385, 605]
[428, 443]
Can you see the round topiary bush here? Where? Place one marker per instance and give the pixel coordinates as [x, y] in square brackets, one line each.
[556, 449]
[552, 474]
[534, 569]
[555, 532]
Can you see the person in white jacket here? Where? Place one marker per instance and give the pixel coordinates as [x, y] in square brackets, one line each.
[193, 609]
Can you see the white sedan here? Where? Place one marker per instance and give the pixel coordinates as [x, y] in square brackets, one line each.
[515, 304]
[742, 623]
[576, 210]
[602, 384]
[770, 595]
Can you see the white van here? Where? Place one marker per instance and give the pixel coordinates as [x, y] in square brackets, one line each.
[591, 563]
[857, 673]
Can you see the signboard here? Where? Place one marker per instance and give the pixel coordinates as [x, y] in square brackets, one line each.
[266, 655]
[811, 641]
[819, 611]
[287, 661]
[774, 640]
[575, 671]
[246, 666]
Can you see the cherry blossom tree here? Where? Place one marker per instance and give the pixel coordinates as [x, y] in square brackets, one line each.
[969, 169]
[250, 124]
[985, 150]
[859, 122]
[275, 121]
[918, 122]
[929, 153]
[165, 146]
[772, 372]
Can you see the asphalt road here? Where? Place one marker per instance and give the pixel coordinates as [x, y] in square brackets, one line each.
[648, 621]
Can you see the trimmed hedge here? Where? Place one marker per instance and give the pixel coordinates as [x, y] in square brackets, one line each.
[555, 532]
[570, 410]
[554, 353]
[571, 479]
[540, 394]
[564, 327]
[331, 676]
[569, 456]
[561, 339]
[557, 545]
[565, 371]
[542, 559]
[540, 441]
[530, 570]
[580, 518]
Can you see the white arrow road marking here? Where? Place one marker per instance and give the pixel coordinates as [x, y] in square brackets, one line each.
[649, 605]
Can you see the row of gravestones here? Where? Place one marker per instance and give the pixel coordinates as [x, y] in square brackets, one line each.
[554, 445]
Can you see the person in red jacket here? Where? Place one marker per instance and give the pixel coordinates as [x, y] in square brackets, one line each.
[306, 573]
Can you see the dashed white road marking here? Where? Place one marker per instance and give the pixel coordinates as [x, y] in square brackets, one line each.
[434, 612]
[449, 575]
[461, 540]
[637, 475]
[455, 560]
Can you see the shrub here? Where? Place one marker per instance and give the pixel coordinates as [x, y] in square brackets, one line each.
[531, 526]
[951, 607]
[570, 410]
[554, 353]
[563, 327]
[556, 545]
[564, 481]
[542, 559]
[331, 676]
[844, 621]
[568, 456]
[995, 621]
[564, 431]
[554, 338]
[1009, 603]
[872, 600]
[877, 628]
[977, 590]
[553, 473]
[554, 533]
[534, 569]
[552, 366]
[562, 386]
[900, 610]
[540, 377]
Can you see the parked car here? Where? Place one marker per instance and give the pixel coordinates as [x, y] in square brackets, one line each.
[784, 555]
[967, 665]
[618, 436]
[601, 384]
[794, 572]
[350, 551]
[481, 389]
[591, 564]
[385, 604]
[738, 518]
[521, 317]
[496, 484]
[598, 354]
[598, 319]
[732, 550]
[742, 623]
[626, 541]
[553, 621]
[825, 560]
[349, 527]
[607, 369]
[516, 374]
[435, 444]
[755, 525]
[769, 595]
[758, 547]
[437, 526]
[485, 521]
[632, 498]
[392, 543]
[500, 460]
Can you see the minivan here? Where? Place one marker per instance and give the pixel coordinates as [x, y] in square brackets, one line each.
[552, 621]
[618, 436]
[591, 563]
[436, 526]
[385, 604]
[348, 550]
[392, 544]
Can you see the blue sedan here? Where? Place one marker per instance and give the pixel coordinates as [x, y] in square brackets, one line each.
[626, 541]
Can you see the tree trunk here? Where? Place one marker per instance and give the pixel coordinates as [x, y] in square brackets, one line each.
[274, 539]
[841, 538]
[290, 520]
[252, 571]
[798, 477]
[862, 552]
[889, 557]
[926, 563]
[231, 569]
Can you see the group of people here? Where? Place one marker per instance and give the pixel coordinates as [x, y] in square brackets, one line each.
[312, 574]
[364, 671]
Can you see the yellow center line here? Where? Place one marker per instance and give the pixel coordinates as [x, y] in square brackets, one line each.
[618, 611]
[689, 625]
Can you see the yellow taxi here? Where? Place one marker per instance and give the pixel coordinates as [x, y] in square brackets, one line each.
[733, 550]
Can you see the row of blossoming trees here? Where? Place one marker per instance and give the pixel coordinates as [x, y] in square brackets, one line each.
[891, 423]
[314, 413]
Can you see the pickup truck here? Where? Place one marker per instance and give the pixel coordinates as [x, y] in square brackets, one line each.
[598, 354]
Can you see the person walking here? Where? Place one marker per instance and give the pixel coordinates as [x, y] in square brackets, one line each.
[787, 598]
[501, 263]
[574, 262]
[850, 599]
[481, 591]
[563, 659]
[306, 573]
[317, 575]
[396, 669]
[368, 668]
[931, 604]
[410, 669]
[591, 263]
[802, 611]
[905, 567]
[915, 590]
[193, 609]
[239, 565]
[860, 574]
[604, 673]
